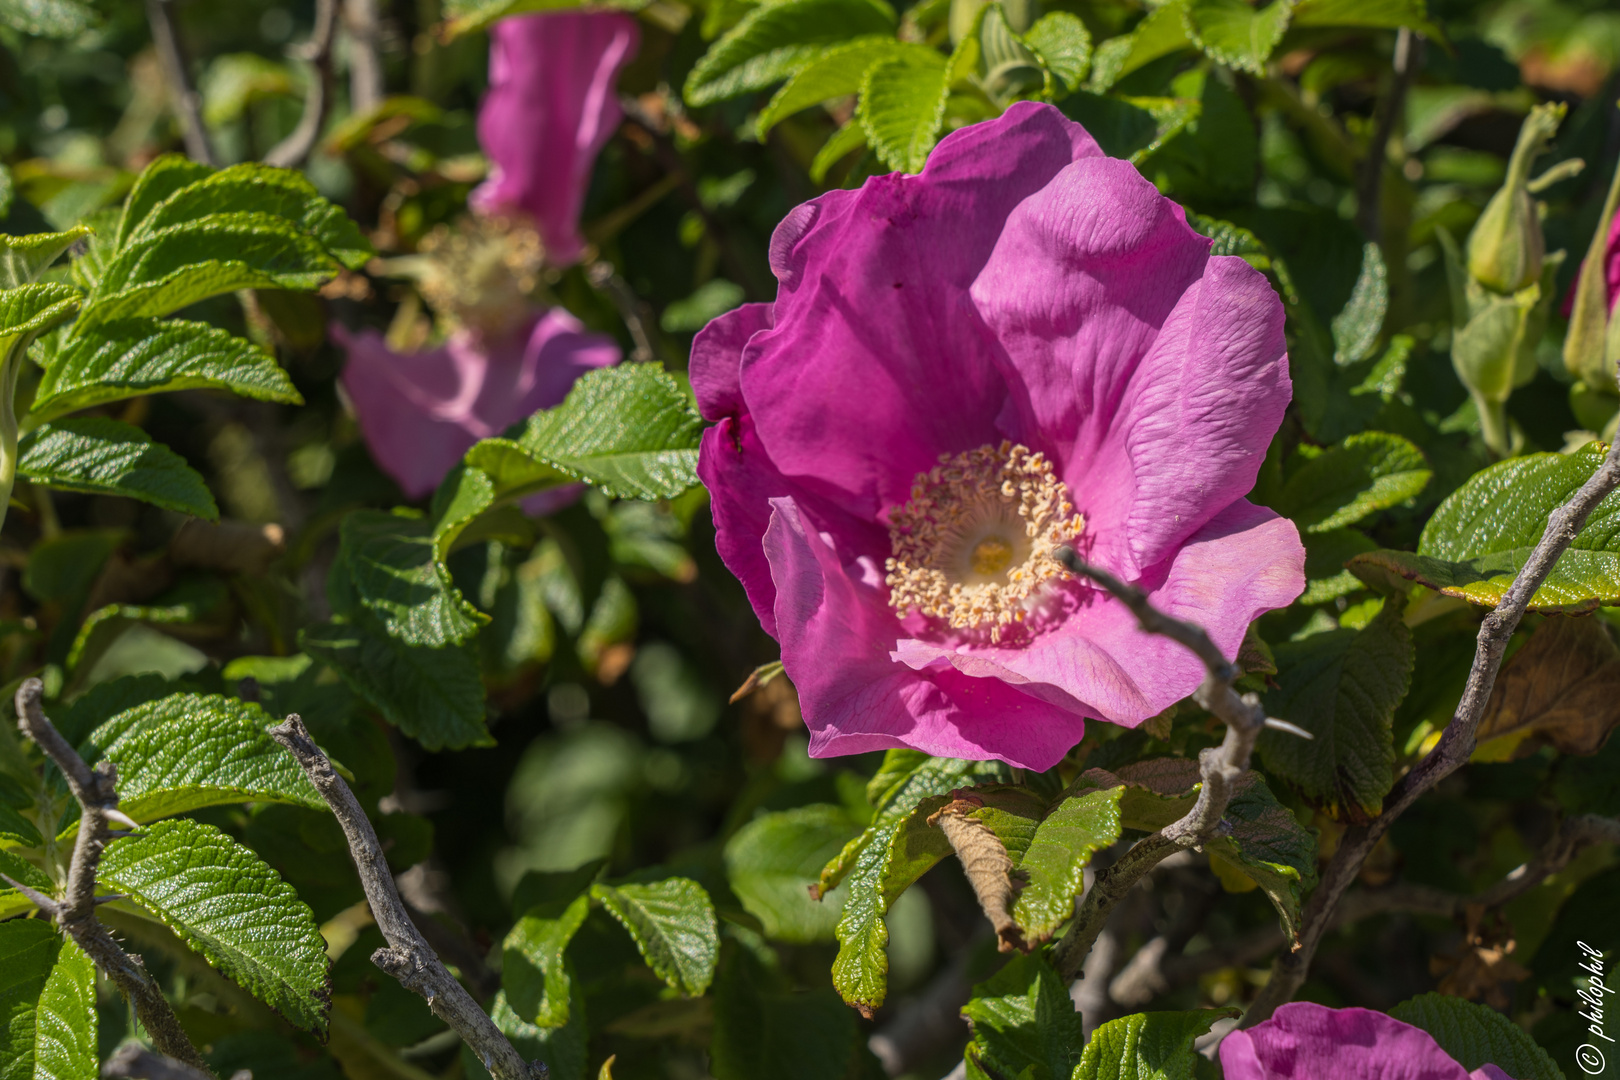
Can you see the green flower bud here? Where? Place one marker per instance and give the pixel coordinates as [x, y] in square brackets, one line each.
[964, 18]
[1592, 346]
[1506, 248]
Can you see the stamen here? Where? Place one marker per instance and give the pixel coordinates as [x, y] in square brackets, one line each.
[973, 546]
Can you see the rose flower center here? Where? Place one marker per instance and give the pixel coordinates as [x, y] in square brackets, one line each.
[973, 546]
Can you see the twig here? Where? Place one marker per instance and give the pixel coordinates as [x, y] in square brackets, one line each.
[187, 102]
[1220, 767]
[365, 67]
[132, 1061]
[407, 956]
[635, 314]
[1456, 743]
[316, 53]
[1370, 172]
[96, 791]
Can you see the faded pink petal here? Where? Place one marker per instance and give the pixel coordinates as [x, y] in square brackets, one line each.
[552, 105]
[1611, 272]
[421, 411]
[1023, 289]
[1307, 1041]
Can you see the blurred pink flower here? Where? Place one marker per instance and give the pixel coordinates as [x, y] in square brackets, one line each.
[1024, 346]
[421, 411]
[1304, 1041]
[550, 109]
[1611, 272]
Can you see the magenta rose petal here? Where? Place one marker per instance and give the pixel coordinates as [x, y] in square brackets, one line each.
[715, 366]
[551, 107]
[832, 626]
[1304, 1040]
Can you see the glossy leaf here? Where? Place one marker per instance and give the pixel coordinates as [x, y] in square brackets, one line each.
[433, 695]
[132, 357]
[17, 868]
[24, 258]
[1342, 686]
[1055, 861]
[1476, 1035]
[837, 73]
[1482, 535]
[673, 924]
[1357, 325]
[99, 456]
[187, 751]
[394, 571]
[28, 954]
[1063, 44]
[29, 310]
[1367, 472]
[224, 902]
[533, 973]
[1269, 847]
[902, 106]
[1235, 34]
[1024, 1024]
[773, 860]
[1147, 1046]
[775, 40]
[65, 1021]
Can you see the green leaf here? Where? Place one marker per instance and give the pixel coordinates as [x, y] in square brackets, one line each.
[16, 868]
[1370, 14]
[131, 357]
[1357, 325]
[466, 16]
[774, 40]
[774, 860]
[672, 922]
[1326, 555]
[1163, 32]
[65, 1021]
[1235, 34]
[194, 600]
[1269, 847]
[29, 310]
[1024, 1024]
[1342, 686]
[1482, 535]
[845, 141]
[24, 258]
[902, 106]
[98, 456]
[16, 830]
[177, 266]
[224, 902]
[28, 954]
[1147, 1046]
[763, 1026]
[628, 430]
[533, 973]
[1063, 44]
[47, 18]
[837, 72]
[1370, 471]
[251, 188]
[433, 695]
[1477, 1035]
[395, 572]
[1130, 127]
[167, 174]
[1055, 860]
[187, 751]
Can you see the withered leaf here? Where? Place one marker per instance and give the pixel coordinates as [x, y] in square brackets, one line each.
[1562, 687]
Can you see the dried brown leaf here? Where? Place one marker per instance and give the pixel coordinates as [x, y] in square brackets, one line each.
[1562, 687]
[987, 865]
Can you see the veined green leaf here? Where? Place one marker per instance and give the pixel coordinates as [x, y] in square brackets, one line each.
[30, 310]
[1372, 14]
[1024, 1024]
[13, 902]
[774, 859]
[394, 572]
[167, 174]
[1235, 34]
[28, 952]
[16, 830]
[182, 264]
[1477, 1035]
[260, 189]
[846, 140]
[1147, 1046]
[1482, 535]
[24, 258]
[224, 902]
[187, 751]
[628, 430]
[533, 974]
[1056, 858]
[838, 72]
[1342, 686]
[65, 1022]
[1128, 127]
[1357, 325]
[192, 601]
[433, 695]
[673, 924]
[1269, 847]
[1163, 32]
[1063, 44]
[131, 357]
[99, 456]
[774, 40]
[902, 106]
[1369, 471]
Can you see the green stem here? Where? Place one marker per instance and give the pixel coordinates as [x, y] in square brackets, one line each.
[8, 429]
[1493, 422]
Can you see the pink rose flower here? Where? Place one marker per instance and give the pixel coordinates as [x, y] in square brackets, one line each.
[1611, 272]
[1024, 346]
[550, 109]
[1306, 1041]
[420, 412]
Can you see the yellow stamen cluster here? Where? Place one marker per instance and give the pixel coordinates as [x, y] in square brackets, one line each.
[973, 547]
[481, 272]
